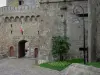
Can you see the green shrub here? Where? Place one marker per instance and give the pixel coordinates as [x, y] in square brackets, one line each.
[60, 46]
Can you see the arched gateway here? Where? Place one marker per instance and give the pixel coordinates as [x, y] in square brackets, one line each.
[21, 48]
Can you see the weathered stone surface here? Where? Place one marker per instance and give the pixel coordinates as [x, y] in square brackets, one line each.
[94, 29]
[40, 24]
[79, 69]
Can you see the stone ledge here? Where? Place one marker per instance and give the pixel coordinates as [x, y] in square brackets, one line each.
[12, 57]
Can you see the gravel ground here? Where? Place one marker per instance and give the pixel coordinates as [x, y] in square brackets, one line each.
[23, 66]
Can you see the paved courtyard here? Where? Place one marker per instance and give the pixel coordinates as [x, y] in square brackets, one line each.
[23, 66]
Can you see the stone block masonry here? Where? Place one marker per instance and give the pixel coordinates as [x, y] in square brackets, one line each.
[40, 23]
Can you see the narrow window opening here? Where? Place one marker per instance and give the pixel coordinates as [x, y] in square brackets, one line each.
[22, 32]
[21, 2]
[11, 25]
[11, 31]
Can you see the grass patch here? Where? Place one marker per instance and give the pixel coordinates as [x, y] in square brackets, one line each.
[60, 65]
[76, 61]
[56, 65]
[95, 64]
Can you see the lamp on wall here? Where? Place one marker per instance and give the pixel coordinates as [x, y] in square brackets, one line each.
[76, 11]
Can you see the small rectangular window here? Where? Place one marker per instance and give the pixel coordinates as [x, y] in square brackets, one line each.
[11, 25]
[20, 2]
[22, 32]
[11, 31]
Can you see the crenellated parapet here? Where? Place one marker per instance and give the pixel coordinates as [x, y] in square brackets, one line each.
[9, 9]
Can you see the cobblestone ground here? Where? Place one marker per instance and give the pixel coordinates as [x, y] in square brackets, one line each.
[23, 66]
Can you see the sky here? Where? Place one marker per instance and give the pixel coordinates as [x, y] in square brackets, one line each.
[2, 3]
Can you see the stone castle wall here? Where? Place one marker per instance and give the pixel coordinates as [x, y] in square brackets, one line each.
[94, 31]
[73, 24]
[97, 23]
[40, 24]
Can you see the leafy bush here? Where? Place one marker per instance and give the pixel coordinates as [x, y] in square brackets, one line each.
[60, 46]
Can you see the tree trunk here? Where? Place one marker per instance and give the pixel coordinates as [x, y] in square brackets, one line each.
[61, 57]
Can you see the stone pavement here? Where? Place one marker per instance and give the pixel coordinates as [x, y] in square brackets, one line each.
[23, 66]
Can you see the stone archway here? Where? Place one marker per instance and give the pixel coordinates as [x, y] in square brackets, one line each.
[21, 48]
[11, 51]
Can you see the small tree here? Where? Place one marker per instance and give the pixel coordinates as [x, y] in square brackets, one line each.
[60, 46]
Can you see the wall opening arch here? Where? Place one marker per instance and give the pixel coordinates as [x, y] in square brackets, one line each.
[17, 19]
[27, 18]
[32, 18]
[22, 18]
[7, 19]
[21, 48]
[11, 18]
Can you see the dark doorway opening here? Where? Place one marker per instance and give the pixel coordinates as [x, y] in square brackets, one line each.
[21, 48]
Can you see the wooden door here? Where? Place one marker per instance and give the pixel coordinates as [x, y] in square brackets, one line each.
[35, 52]
[11, 51]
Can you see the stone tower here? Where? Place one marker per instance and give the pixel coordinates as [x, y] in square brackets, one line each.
[20, 2]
